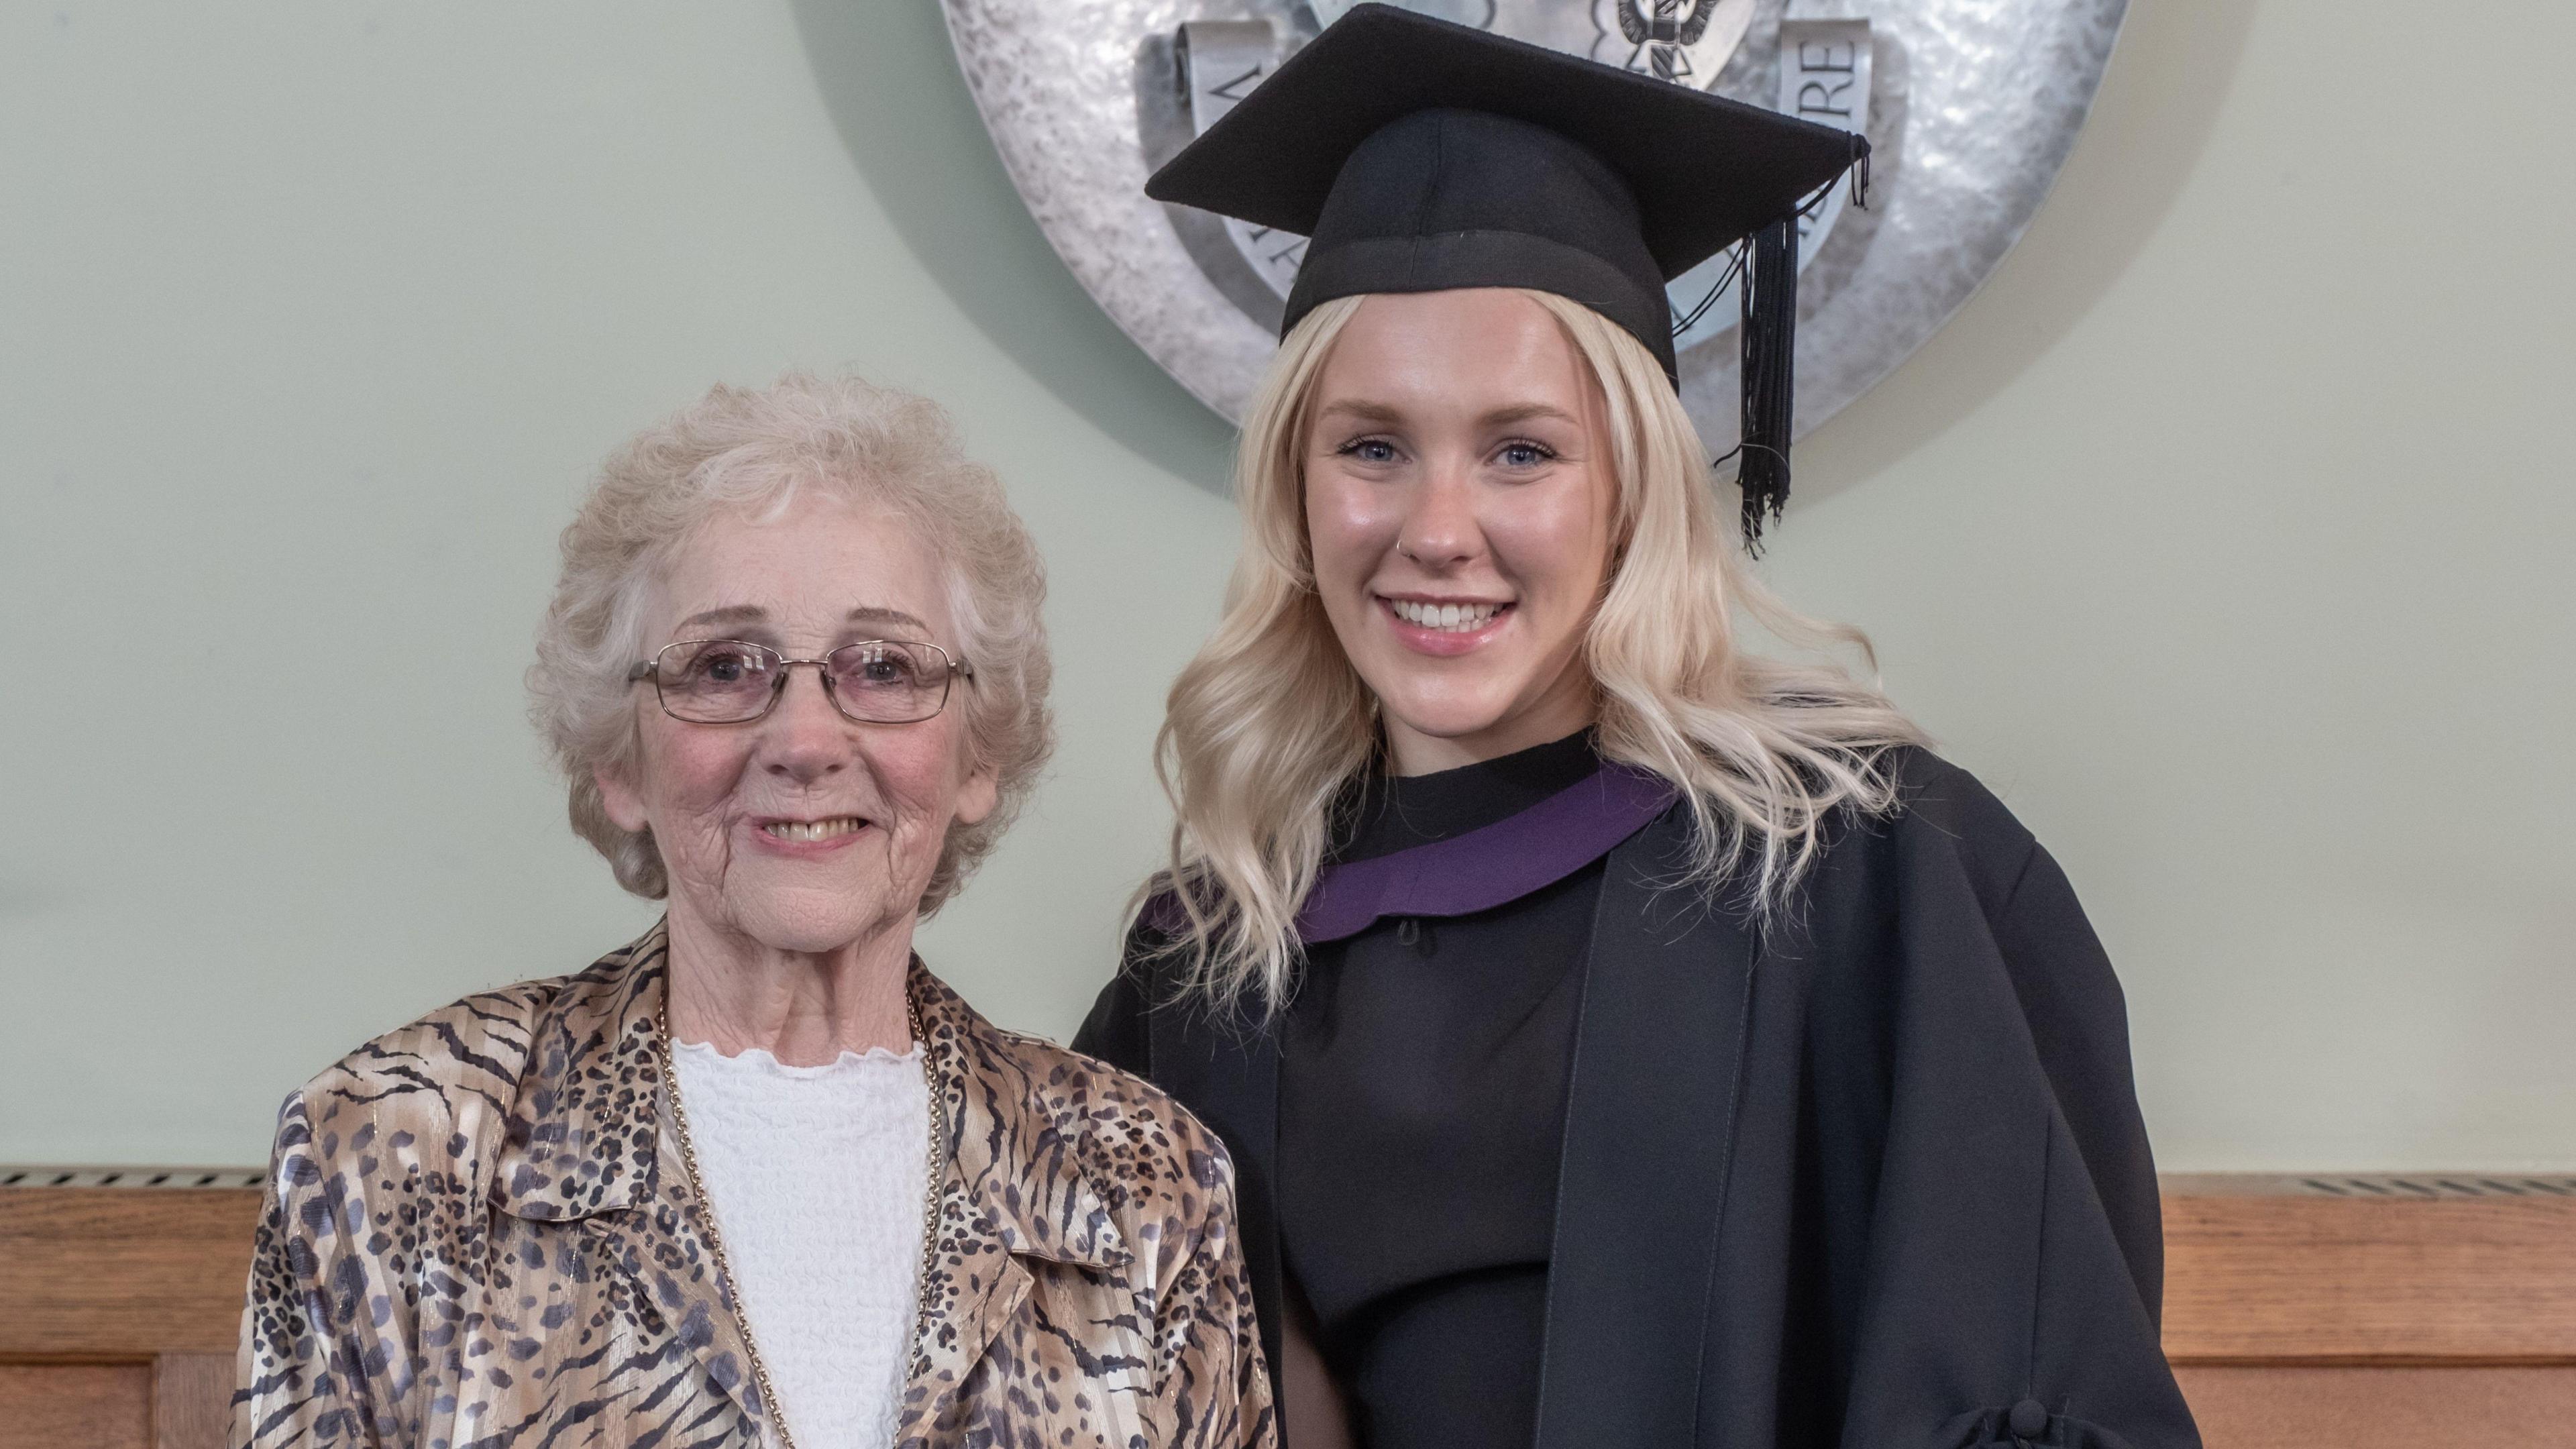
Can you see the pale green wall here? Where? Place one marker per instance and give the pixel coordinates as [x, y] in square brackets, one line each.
[2225, 533]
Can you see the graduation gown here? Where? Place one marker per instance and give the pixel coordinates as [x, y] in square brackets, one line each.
[1869, 1176]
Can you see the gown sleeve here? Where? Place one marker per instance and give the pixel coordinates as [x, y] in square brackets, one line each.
[2016, 1267]
[1116, 1030]
[2079, 1029]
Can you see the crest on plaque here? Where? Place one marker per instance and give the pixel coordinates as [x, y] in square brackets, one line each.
[1970, 106]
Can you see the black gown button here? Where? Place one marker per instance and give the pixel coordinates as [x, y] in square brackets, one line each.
[2029, 1419]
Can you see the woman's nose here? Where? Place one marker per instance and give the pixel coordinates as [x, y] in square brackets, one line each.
[806, 736]
[1440, 529]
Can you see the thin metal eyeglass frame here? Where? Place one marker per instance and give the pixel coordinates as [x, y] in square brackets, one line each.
[651, 669]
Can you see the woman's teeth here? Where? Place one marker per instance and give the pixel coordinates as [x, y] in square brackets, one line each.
[1450, 618]
[813, 829]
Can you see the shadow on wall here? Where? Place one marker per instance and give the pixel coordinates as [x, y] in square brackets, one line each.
[2152, 119]
[890, 81]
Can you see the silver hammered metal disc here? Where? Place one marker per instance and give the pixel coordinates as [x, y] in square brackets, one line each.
[1972, 108]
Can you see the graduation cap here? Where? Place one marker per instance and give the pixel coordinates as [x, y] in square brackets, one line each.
[1417, 155]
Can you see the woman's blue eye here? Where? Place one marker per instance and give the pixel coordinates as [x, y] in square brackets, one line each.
[1525, 455]
[1370, 450]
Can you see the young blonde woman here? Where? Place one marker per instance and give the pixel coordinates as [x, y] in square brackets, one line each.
[1623, 1038]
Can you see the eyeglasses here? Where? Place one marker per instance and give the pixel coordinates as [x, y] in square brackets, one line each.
[729, 681]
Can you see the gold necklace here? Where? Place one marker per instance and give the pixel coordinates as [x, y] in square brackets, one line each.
[715, 1237]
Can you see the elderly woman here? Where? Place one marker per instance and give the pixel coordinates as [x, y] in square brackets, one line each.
[758, 1177]
[1626, 1038]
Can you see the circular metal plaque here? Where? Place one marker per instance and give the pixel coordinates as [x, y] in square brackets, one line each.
[1970, 105]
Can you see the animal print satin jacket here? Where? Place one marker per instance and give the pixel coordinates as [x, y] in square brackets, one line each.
[477, 1234]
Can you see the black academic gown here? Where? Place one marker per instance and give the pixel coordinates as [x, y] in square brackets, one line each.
[1870, 1177]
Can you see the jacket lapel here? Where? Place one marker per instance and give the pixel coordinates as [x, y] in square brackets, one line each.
[974, 1281]
[1227, 1070]
[661, 1247]
[1010, 1190]
[585, 1147]
[1649, 1132]
[585, 1142]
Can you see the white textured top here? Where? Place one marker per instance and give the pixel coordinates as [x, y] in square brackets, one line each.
[816, 1175]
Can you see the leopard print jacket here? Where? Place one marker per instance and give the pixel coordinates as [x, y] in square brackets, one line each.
[477, 1235]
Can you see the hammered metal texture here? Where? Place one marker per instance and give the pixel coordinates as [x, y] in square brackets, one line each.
[1974, 107]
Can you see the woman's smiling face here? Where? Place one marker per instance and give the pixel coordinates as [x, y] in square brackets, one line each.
[801, 830]
[1460, 501]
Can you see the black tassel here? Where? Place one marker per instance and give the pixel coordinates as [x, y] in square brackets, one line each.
[1770, 356]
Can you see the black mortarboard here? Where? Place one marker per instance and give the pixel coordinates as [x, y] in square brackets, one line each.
[1419, 156]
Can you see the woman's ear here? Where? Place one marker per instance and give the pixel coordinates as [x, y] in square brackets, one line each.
[978, 795]
[625, 807]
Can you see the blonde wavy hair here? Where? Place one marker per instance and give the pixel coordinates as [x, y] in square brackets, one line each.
[1267, 727]
[755, 451]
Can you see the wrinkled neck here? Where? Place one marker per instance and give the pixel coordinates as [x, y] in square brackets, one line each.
[804, 1008]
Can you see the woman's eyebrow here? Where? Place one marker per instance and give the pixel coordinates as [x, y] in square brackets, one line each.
[1358, 411]
[742, 614]
[877, 614]
[1502, 417]
[729, 614]
[1524, 412]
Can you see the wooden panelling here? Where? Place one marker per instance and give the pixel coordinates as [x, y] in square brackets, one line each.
[192, 1400]
[2382, 1408]
[2265, 1270]
[2373, 1313]
[122, 1272]
[75, 1406]
[2297, 1317]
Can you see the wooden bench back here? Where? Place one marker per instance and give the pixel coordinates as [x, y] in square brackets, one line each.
[2301, 1313]
[120, 1304]
[2362, 1312]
